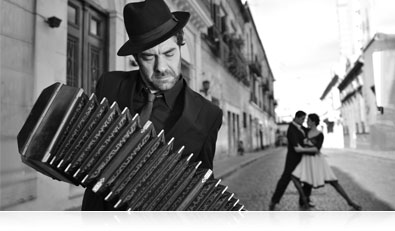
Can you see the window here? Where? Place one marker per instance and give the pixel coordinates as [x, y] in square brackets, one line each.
[94, 27]
[244, 120]
[219, 17]
[224, 25]
[73, 14]
[345, 131]
[330, 127]
[363, 127]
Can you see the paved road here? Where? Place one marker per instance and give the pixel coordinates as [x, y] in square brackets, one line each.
[254, 184]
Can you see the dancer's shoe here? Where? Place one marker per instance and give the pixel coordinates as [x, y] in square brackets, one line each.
[355, 206]
[272, 206]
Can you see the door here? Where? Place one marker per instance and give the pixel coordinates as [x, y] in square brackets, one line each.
[86, 45]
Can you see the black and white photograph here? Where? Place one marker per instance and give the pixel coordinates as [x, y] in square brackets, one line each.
[226, 114]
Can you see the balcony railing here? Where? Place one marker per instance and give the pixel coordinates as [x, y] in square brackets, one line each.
[237, 66]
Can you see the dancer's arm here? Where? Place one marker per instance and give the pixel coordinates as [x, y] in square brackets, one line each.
[313, 149]
[319, 141]
[307, 150]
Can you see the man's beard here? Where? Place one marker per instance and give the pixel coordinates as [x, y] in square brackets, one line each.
[170, 76]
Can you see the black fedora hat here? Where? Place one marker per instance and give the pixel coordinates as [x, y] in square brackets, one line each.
[149, 23]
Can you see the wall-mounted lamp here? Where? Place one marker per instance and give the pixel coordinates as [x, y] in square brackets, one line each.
[53, 22]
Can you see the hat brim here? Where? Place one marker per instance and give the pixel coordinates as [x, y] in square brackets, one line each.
[131, 47]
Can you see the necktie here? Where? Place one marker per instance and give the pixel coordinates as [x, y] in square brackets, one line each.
[147, 109]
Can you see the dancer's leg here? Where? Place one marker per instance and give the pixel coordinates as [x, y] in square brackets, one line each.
[299, 187]
[280, 189]
[307, 192]
[343, 193]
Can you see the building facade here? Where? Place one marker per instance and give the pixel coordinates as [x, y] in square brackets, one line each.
[367, 97]
[332, 122]
[357, 101]
[223, 59]
[355, 28]
[240, 76]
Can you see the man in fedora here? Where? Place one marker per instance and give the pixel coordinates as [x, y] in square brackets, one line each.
[155, 40]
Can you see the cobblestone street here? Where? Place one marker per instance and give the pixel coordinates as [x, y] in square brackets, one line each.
[254, 184]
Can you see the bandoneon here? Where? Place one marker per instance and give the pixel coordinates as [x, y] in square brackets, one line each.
[71, 137]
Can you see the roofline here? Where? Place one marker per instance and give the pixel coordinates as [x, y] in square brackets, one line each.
[247, 8]
[351, 74]
[378, 36]
[329, 87]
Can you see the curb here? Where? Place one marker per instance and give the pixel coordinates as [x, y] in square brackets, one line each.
[233, 170]
[229, 172]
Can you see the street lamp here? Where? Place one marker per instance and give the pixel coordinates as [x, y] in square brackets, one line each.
[53, 22]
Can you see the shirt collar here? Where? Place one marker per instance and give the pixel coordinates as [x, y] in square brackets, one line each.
[298, 126]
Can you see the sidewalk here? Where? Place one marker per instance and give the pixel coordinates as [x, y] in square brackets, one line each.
[226, 166]
[372, 153]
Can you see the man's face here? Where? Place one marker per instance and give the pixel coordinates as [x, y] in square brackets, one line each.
[160, 66]
[300, 120]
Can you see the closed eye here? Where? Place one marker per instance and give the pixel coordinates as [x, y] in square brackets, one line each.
[170, 52]
[147, 57]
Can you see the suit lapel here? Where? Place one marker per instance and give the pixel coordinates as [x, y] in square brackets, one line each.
[126, 92]
[191, 110]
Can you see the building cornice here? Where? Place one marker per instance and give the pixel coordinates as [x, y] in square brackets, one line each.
[331, 84]
[199, 17]
[351, 74]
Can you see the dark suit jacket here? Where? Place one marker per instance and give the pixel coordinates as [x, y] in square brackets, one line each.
[196, 129]
[295, 137]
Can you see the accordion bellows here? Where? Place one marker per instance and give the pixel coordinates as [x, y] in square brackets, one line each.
[71, 137]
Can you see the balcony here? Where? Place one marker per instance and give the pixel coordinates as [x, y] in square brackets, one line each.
[237, 64]
[256, 68]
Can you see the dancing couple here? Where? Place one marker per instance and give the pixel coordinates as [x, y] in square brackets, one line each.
[305, 166]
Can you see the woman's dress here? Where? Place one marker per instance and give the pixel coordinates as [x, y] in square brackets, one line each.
[314, 169]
